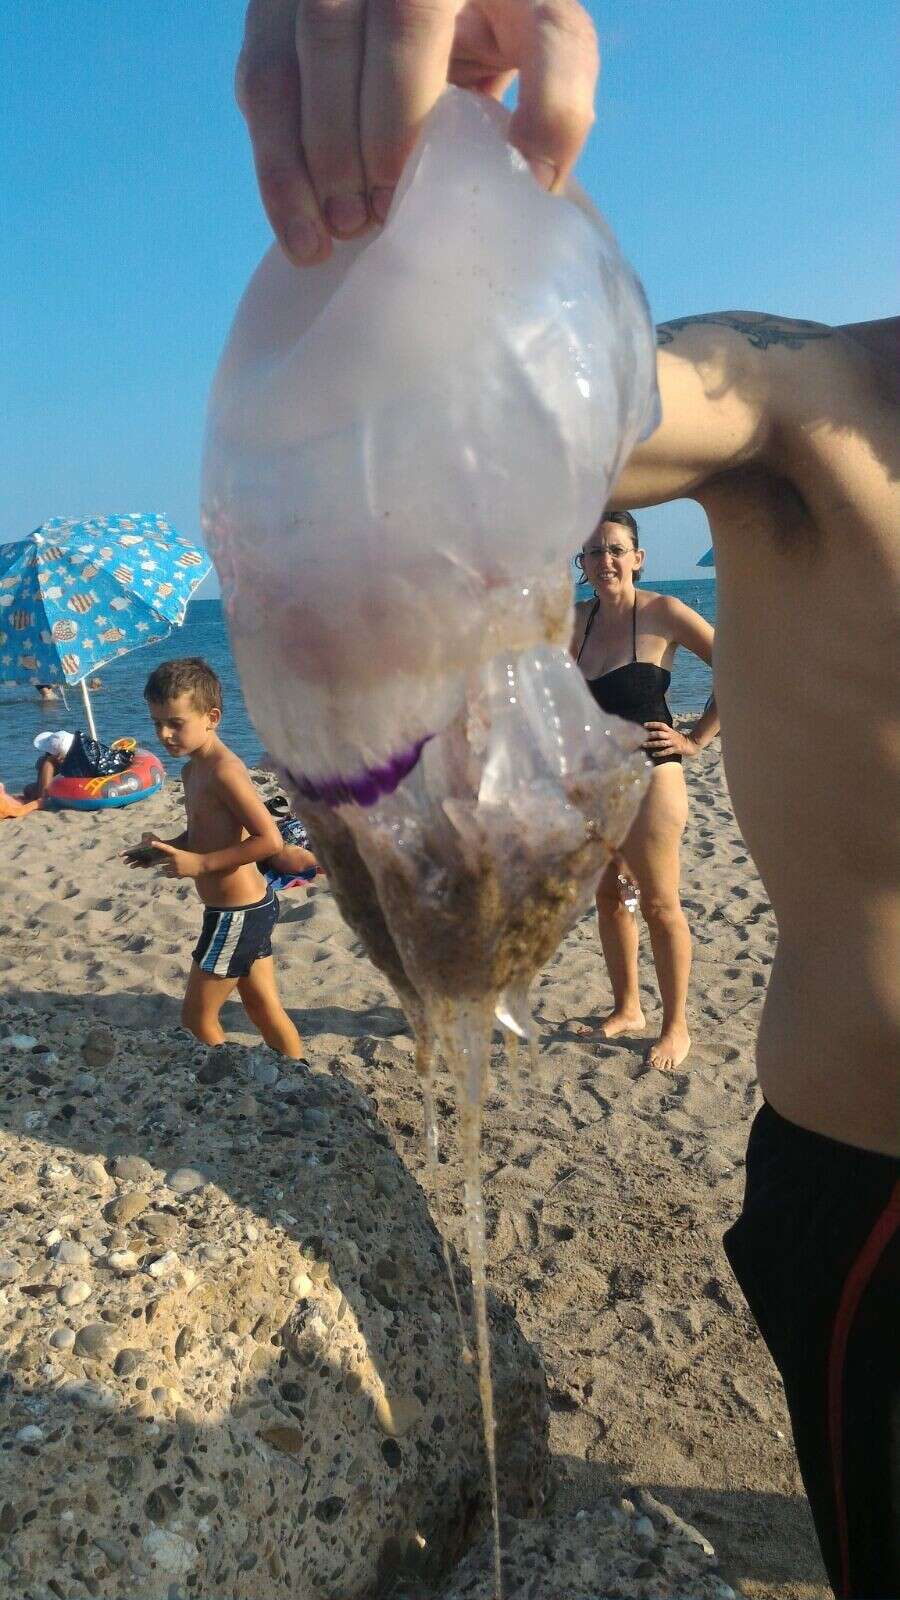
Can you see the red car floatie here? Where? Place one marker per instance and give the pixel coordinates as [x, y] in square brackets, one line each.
[144, 777]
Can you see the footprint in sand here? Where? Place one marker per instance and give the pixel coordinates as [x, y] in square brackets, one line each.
[604, 1105]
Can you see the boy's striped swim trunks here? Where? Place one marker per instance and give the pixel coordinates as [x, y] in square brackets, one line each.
[233, 937]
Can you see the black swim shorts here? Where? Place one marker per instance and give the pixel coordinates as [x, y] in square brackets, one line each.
[816, 1251]
[233, 937]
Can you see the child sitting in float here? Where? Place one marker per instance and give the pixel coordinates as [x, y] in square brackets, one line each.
[52, 750]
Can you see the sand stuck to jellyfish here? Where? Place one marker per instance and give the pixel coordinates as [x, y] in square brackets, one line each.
[404, 446]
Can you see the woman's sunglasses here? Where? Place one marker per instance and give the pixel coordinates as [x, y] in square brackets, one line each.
[617, 551]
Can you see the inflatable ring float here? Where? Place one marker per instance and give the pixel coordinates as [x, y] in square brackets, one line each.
[144, 777]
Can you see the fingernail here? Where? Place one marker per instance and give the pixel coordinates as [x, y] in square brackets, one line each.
[545, 172]
[381, 202]
[303, 240]
[346, 213]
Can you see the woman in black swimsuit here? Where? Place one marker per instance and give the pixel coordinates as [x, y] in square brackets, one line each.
[625, 644]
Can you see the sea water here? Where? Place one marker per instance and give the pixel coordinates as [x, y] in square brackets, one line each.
[119, 706]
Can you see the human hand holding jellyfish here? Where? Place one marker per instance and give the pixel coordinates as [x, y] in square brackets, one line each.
[335, 93]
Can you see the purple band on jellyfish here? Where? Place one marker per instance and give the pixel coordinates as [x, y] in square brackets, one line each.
[366, 787]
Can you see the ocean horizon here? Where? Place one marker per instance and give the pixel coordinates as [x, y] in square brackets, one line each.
[119, 708]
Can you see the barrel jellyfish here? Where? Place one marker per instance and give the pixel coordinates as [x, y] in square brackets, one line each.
[404, 446]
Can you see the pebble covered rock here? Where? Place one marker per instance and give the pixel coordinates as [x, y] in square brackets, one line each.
[612, 1550]
[232, 1362]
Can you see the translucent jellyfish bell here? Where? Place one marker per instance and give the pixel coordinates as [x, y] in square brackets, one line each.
[405, 444]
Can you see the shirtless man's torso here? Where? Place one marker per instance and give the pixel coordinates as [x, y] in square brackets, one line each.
[786, 434]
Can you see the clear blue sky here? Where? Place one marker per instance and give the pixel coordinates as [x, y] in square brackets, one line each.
[741, 152]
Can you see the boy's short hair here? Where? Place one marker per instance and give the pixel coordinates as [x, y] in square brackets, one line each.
[191, 675]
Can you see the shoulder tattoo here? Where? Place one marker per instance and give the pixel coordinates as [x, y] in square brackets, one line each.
[761, 332]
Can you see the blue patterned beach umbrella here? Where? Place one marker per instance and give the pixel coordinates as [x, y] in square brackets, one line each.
[75, 595]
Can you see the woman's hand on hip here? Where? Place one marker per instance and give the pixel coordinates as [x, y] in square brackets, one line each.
[665, 741]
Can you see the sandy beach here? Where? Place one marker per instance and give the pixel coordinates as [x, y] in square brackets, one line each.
[607, 1185]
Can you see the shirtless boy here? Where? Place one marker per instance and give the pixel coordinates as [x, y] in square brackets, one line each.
[786, 434]
[228, 832]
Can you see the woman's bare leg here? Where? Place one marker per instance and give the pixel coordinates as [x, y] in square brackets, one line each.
[619, 938]
[652, 850]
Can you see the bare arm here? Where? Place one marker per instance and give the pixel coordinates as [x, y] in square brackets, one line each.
[237, 794]
[293, 858]
[687, 628]
[694, 633]
[242, 800]
[707, 725]
[719, 375]
[147, 853]
[46, 773]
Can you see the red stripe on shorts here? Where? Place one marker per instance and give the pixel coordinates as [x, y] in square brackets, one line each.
[855, 1284]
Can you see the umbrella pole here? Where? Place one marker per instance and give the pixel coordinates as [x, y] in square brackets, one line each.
[92, 729]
